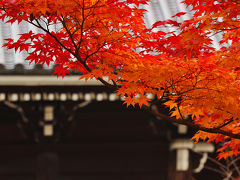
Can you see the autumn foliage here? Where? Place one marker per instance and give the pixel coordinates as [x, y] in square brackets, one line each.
[109, 38]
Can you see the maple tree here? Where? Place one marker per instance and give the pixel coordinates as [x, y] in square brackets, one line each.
[109, 38]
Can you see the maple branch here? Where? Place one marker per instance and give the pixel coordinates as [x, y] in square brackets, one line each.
[81, 27]
[77, 55]
[229, 29]
[115, 84]
[38, 25]
[114, 87]
[179, 111]
[224, 124]
[98, 49]
[190, 124]
[69, 33]
[216, 128]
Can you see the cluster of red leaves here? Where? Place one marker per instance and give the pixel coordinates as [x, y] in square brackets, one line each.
[103, 38]
[93, 34]
[206, 78]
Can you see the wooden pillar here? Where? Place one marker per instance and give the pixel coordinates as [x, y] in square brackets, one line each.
[173, 174]
[47, 166]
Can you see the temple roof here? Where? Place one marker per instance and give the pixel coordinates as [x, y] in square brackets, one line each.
[12, 63]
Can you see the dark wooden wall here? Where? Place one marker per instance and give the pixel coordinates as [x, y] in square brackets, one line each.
[104, 141]
[107, 141]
